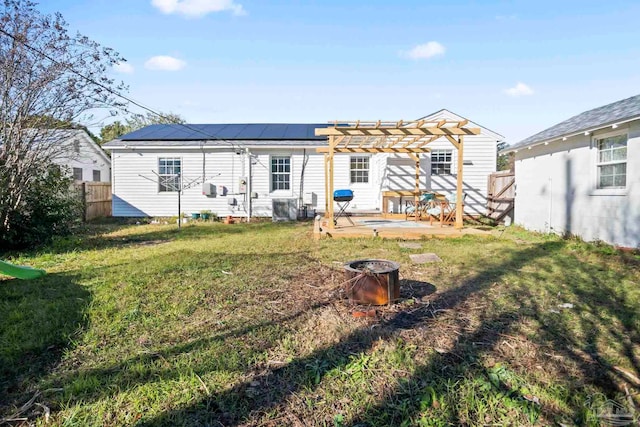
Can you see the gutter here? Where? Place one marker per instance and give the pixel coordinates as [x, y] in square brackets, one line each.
[564, 137]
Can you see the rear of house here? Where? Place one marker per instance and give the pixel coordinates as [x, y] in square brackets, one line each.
[247, 169]
[582, 176]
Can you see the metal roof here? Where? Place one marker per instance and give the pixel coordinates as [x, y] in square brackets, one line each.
[230, 132]
[609, 114]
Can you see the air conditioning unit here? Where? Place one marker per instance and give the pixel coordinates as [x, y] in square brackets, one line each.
[284, 209]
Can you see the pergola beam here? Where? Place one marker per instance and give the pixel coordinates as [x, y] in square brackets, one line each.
[372, 150]
[372, 131]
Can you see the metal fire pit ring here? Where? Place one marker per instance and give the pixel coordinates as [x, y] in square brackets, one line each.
[372, 281]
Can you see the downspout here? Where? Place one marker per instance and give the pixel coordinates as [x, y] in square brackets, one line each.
[304, 165]
[249, 186]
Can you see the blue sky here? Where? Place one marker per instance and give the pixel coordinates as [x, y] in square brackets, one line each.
[515, 67]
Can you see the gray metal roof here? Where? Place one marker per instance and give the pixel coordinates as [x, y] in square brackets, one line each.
[610, 114]
[231, 132]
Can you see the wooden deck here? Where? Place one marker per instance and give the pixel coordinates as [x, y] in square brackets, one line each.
[391, 228]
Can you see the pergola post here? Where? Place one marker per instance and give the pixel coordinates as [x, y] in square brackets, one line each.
[416, 195]
[330, 189]
[460, 184]
[326, 186]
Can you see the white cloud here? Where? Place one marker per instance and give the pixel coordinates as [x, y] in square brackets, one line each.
[123, 67]
[165, 63]
[520, 89]
[197, 8]
[425, 51]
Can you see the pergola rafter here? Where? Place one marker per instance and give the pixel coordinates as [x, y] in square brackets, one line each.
[402, 137]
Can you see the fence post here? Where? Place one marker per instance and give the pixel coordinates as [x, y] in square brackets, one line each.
[84, 201]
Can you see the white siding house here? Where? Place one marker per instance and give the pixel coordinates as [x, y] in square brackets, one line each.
[582, 176]
[82, 156]
[277, 162]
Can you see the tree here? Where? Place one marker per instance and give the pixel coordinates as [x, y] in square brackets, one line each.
[49, 79]
[505, 161]
[135, 122]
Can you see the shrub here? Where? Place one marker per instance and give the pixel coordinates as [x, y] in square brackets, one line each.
[51, 207]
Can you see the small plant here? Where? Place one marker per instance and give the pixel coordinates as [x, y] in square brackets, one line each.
[206, 214]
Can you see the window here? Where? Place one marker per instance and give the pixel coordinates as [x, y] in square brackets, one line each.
[169, 172]
[359, 169]
[612, 162]
[441, 162]
[96, 176]
[77, 174]
[280, 173]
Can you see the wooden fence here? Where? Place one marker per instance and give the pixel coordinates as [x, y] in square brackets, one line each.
[96, 197]
[501, 195]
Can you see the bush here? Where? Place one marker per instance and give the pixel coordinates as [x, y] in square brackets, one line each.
[51, 207]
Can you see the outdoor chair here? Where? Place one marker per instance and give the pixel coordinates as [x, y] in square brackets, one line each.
[444, 210]
[419, 210]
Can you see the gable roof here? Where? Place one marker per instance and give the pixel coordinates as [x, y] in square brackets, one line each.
[607, 115]
[445, 112]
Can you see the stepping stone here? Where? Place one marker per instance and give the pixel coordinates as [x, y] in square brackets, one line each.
[424, 258]
[410, 245]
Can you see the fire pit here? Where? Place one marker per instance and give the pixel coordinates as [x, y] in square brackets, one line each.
[372, 281]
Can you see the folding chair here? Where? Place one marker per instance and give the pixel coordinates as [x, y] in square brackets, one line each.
[419, 210]
[444, 210]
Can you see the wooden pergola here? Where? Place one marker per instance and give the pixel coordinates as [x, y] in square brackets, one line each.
[411, 138]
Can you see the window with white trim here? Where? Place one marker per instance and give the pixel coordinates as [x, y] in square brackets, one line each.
[441, 161]
[169, 174]
[280, 173]
[359, 169]
[96, 176]
[612, 162]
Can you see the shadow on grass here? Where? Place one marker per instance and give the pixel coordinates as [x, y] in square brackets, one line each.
[236, 405]
[39, 321]
[101, 236]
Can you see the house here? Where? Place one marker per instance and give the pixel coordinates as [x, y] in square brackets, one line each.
[81, 155]
[74, 150]
[247, 169]
[582, 176]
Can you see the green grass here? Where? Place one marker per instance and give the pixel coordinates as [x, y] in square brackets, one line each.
[244, 325]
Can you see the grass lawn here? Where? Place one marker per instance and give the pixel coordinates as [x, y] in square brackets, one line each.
[246, 325]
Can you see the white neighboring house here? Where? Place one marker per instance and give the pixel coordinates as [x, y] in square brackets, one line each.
[84, 158]
[277, 162]
[582, 176]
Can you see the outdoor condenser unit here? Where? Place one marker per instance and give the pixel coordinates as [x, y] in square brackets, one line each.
[284, 210]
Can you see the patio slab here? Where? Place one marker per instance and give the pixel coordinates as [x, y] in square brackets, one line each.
[376, 226]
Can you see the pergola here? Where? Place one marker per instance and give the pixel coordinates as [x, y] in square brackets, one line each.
[411, 138]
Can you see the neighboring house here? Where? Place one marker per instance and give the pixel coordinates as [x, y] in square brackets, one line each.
[82, 156]
[276, 162]
[582, 176]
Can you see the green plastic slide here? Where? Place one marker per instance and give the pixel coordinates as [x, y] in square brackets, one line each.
[20, 272]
